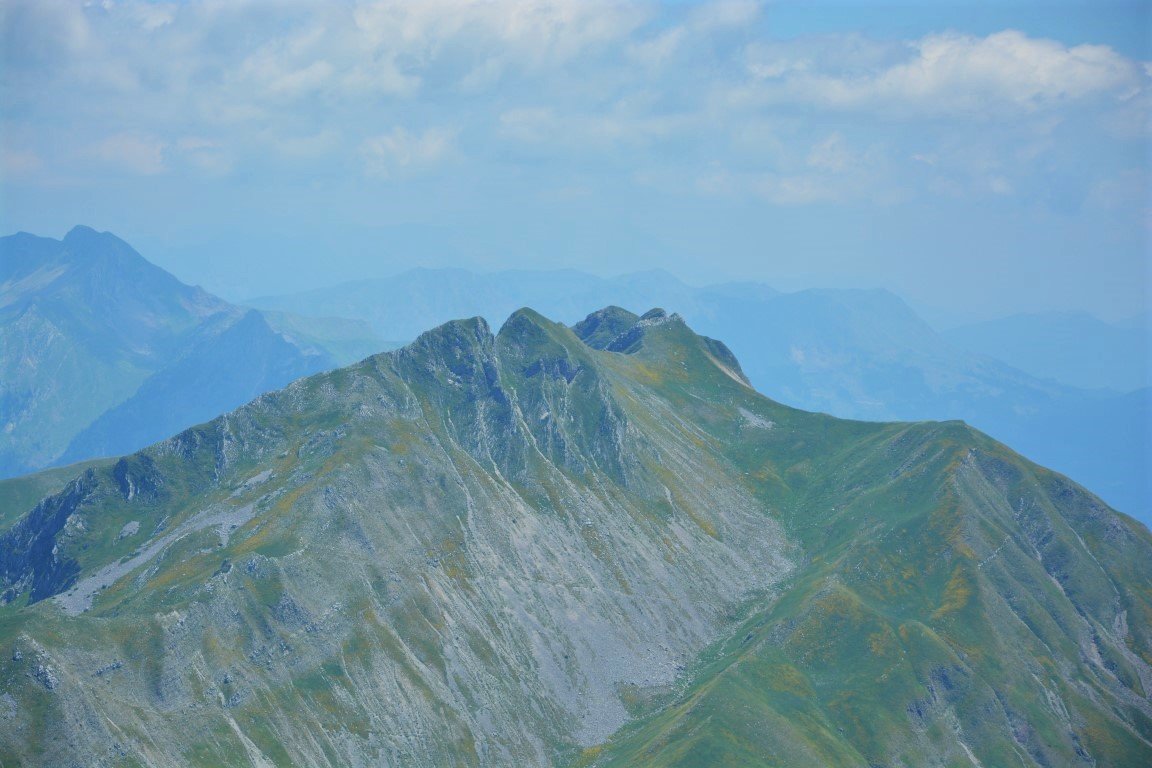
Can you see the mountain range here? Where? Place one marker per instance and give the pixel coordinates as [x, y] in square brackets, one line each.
[103, 352]
[594, 545]
[1074, 348]
[861, 354]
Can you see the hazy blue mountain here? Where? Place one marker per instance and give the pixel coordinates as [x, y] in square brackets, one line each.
[553, 546]
[852, 353]
[244, 360]
[404, 306]
[102, 351]
[1073, 348]
[865, 354]
[1118, 460]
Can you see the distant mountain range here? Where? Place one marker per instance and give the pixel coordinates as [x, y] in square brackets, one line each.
[584, 546]
[102, 352]
[1070, 347]
[409, 303]
[851, 353]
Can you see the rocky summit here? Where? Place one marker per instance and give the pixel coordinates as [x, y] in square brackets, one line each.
[587, 546]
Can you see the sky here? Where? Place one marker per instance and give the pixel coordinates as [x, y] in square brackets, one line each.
[978, 158]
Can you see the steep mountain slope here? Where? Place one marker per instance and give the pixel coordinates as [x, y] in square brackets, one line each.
[861, 354]
[94, 336]
[1074, 348]
[499, 550]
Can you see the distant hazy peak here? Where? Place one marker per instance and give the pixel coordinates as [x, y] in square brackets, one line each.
[83, 231]
[650, 276]
[82, 243]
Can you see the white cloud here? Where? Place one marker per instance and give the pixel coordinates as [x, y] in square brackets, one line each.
[151, 16]
[19, 162]
[795, 190]
[623, 88]
[1131, 187]
[204, 155]
[308, 146]
[724, 14]
[620, 125]
[531, 33]
[529, 124]
[399, 151]
[659, 50]
[1000, 186]
[957, 74]
[801, 173]
[832, 154]
[778, 188]
[132, 153]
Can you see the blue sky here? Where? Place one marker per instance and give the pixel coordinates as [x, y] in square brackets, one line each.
[982, 158]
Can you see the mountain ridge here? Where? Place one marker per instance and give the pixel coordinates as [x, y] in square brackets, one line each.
[1039, 343]
[536, 543]
[858, 353]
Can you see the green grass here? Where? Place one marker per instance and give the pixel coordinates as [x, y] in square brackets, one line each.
[940, 581]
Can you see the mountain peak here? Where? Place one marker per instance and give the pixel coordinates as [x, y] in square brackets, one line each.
[456, 334]
[457, 347]
[602, 326]
[656, 313]
[107, 257]
[83, 231]
[617, 330]
[87, 243]
[523, 318]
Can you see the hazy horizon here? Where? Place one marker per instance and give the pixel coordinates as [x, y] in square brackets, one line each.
[941, 318]
[979, 159]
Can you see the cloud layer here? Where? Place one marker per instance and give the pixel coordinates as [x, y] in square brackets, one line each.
[389, 89]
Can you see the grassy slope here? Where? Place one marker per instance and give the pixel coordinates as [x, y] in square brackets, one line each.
[959, 605]
[949, 598]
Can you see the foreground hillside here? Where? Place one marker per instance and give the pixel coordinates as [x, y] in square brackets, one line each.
[579, 546]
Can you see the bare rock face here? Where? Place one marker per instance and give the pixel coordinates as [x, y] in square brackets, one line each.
[500, 549]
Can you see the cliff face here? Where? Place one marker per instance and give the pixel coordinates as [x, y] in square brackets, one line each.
[502, 549]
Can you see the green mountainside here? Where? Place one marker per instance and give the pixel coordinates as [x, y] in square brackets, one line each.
[856, 354]
[585, 546]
